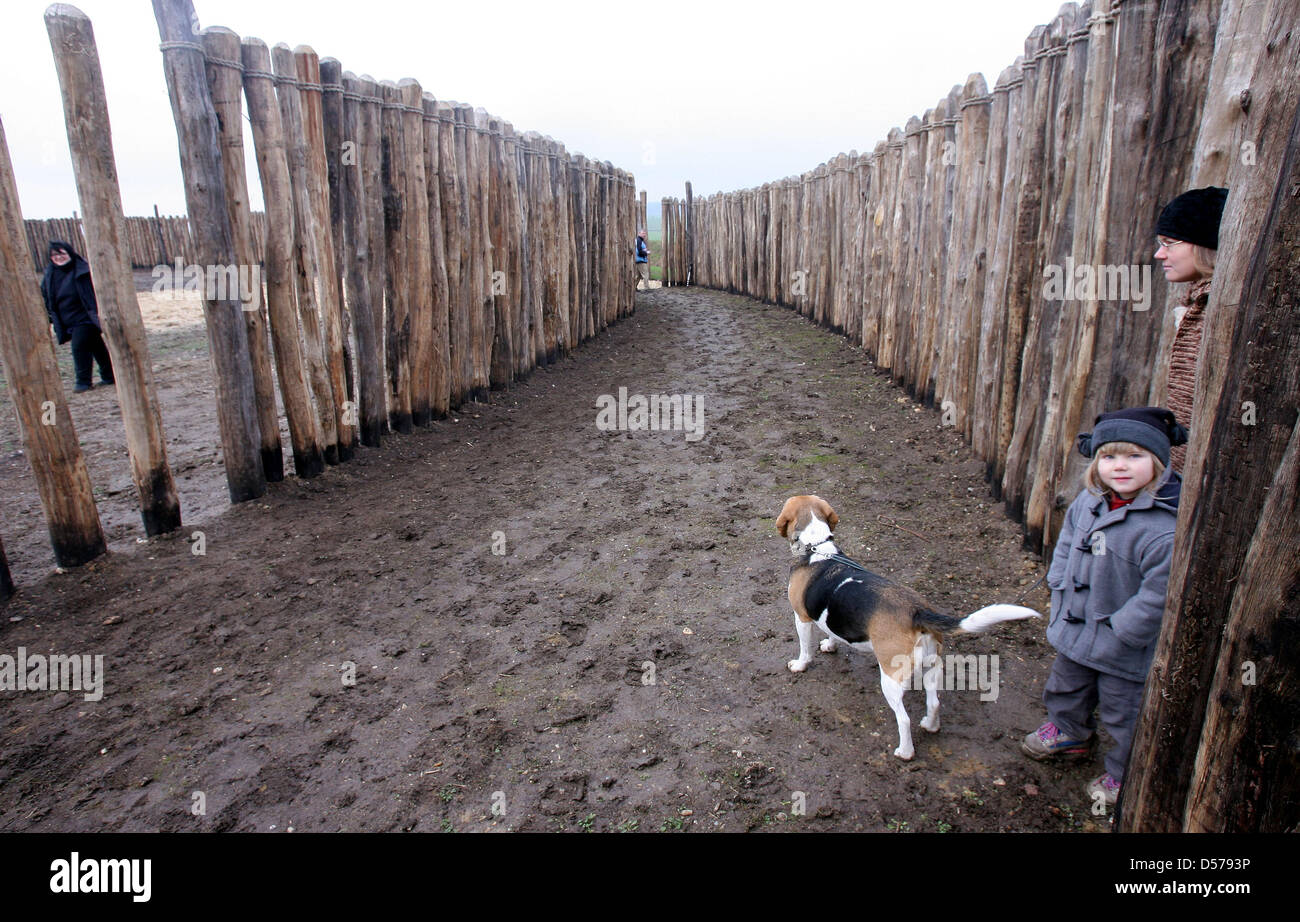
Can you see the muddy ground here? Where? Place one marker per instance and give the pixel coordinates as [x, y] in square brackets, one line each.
[619, 667]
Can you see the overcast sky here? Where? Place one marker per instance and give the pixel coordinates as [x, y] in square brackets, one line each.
[726, 95]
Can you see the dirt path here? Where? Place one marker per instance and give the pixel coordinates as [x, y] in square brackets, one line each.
[522, 681]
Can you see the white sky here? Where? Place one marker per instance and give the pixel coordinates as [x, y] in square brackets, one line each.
[726, 95]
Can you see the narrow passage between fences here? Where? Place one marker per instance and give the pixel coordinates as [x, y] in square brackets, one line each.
[592, 622]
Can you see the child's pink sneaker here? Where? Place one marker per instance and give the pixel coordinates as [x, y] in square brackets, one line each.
[1105, 787]
[1048, 742]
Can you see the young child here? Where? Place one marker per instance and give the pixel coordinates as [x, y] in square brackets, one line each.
[1108, 580]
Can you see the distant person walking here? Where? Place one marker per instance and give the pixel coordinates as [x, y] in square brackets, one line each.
[1187, 232]
[71, 306]
[642, 260]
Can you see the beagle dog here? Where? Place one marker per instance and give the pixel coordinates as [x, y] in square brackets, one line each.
[867, 612]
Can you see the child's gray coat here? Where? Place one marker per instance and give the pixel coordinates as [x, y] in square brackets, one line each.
[1109, 576]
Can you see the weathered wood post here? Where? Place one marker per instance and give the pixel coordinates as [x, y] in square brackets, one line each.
[472, 267]
[1004, 186]
[502, 368]
[281, 273]
[370, 145]
[306, 65]
[582, 243]
[689, 275]
[455, 224]
[440, 360]
[514, 267]
[561, 245]
[307, 257]
[162, 241]
[358, 186]
[419, 251]
[397, 246]
[90, 141]
[338, 148]
[536, 241]
[1223, 684]
[225, 81]
[214, 245]
[484, 312]
[32, 374]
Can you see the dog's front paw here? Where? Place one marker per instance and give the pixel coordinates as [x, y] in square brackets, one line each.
[927, 724]
[827, 645]
[904, 753]
[797, 665]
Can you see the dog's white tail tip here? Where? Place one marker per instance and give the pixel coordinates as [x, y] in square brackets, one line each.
[994, 614]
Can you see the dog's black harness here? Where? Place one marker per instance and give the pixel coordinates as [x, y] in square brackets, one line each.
[849, 562]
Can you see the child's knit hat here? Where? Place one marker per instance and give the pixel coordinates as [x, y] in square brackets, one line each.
[1194, 216]
[1154, 428]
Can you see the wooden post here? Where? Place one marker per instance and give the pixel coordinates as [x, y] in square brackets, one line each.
[440, 360]
[361, 201]
[502, 367]
[221, 49]
[419, 251]
[306, 67]
[1213, 750]
[1004, 176]
[689, 273]
[455, 224]
[375, 192]
[214, 245]
[536, 242]
[90, 141]
[515, 267]
[281, 272]
[338, 148]
[397, 246]
[32, 374]
[162, 242]
[560, 246]
[582, 242]
[484, 319]
[306, 255]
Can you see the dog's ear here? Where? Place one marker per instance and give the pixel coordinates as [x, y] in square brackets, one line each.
[783, 522]
[825, 508]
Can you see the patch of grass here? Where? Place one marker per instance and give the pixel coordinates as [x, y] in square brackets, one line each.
[944, 827]
[896, 825]
[448, 794]
[972, 798]
[447, 827]
[818, 459]
[587, 822]
[628, 825]
[672, 824]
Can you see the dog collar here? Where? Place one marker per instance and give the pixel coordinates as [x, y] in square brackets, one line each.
[797, 547]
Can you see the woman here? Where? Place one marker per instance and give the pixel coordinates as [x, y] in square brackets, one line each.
[1188, 234]
[71, 306]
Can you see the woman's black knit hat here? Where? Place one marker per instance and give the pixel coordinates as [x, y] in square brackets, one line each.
[1194, 216]
[1154, 428]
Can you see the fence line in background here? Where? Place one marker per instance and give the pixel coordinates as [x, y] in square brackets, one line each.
[932, 252]
[422, 253]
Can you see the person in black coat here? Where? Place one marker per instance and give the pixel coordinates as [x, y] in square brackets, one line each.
[70, 303]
